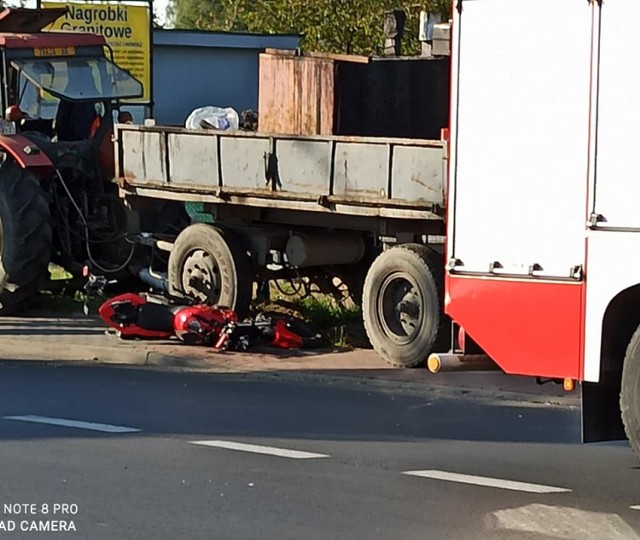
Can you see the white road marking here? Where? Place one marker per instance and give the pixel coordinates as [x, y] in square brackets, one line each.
[486, 481]
[257, 449]
[64, 422]
[635, 507]
[561, 522]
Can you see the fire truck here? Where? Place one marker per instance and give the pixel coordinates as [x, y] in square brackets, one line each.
[535, 187]
[543, 226]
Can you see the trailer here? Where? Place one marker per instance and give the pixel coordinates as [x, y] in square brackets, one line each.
[272, 206]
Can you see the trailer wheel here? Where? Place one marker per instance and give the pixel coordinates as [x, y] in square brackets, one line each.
[208, 264]
[402, 305]
[25, 236]
[630, 393]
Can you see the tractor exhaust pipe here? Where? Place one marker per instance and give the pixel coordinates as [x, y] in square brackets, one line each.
[437, 363]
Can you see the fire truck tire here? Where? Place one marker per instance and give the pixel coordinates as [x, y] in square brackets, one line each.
[209, 265]
[25, 236]
[402, 306]
[630, 393]
[435, 261]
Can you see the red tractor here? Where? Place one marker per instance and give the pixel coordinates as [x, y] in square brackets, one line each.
[58, 203]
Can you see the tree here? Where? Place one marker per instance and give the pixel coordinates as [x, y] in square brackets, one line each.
[340, 26]
[220, 15]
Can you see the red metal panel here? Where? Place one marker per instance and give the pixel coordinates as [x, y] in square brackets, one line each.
[527, 327]
[51, 39]
[15, 146]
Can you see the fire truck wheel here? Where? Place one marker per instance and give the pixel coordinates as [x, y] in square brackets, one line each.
[630, 393]
[402, 305]
[25, 236]
[209, 265]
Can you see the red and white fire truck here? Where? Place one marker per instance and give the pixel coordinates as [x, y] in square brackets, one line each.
[543, 231]
[538, 272]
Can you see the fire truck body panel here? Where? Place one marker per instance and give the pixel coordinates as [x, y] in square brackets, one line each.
[517, 322]
[613, 295]
[617, 129]
[542, 240]
[511, 94]
[614, 235]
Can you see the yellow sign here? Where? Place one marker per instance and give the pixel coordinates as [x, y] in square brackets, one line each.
[125, 27]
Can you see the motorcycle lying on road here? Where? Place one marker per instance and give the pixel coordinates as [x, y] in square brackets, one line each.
[145, 316]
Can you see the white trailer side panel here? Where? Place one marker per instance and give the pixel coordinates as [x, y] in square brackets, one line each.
[520, 144]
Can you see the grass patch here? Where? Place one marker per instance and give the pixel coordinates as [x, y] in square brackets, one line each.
[331, 318]
[58, 273]
[60, 302]
[336, 317]
[60, 294]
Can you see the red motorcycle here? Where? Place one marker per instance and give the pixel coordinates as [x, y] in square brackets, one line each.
[142, 316]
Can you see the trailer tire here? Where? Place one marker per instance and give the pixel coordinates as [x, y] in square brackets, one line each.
[402, 306]
[208, 264]
[25, 236]
[630, 393]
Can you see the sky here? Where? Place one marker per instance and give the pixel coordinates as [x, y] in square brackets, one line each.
[160, 9]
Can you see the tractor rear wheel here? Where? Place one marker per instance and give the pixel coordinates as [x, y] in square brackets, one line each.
[25, 236]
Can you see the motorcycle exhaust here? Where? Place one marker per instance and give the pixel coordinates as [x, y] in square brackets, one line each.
[157, 280]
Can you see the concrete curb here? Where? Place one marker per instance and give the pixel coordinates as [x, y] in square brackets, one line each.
[137, 355]
[82, 341]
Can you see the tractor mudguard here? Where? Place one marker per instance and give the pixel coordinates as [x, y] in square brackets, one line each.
[26, 154]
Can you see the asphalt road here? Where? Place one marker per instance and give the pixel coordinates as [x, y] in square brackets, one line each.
[318, 462]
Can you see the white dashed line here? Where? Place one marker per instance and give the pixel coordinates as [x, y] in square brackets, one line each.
[257, 449]
[487, 482]
[635, 507]
[64, 422]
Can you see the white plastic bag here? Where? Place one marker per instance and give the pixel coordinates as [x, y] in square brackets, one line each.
[213, 118]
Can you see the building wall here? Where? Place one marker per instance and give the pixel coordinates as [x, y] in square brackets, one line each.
[187, 77]
[194, 69]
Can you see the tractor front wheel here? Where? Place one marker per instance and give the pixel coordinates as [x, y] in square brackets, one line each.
[25, 236]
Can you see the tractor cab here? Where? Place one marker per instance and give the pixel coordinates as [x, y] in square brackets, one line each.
[69, 87]
[60, 84]
[58, 202]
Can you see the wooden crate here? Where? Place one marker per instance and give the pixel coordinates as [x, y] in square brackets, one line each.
[297, 94]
